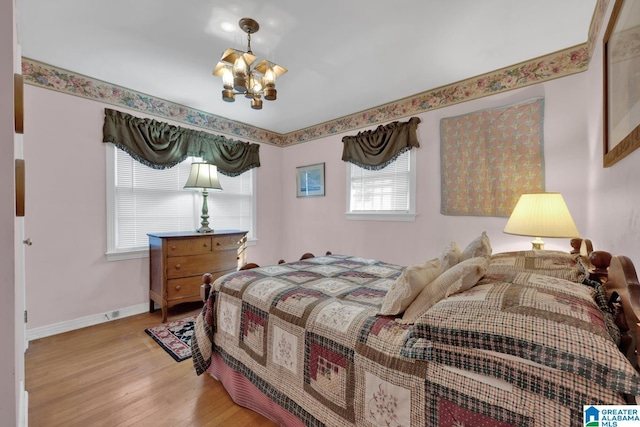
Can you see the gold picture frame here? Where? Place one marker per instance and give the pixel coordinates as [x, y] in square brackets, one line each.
[621, 47]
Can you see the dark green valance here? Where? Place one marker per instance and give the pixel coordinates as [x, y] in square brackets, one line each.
[375, 149]
[160, 145]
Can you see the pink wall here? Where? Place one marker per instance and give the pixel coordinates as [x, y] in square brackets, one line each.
[321, 225]
[267, 250]
[68, 276]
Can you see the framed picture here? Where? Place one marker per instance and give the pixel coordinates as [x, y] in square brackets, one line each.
[622, 82]
[310, 180]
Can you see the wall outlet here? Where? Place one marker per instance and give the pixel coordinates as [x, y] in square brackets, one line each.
[112, 315]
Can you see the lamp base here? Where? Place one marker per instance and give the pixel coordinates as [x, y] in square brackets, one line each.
[204, 224]
[537, 244]
[205, 230]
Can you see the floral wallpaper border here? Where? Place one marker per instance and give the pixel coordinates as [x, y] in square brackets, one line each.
[549, 67]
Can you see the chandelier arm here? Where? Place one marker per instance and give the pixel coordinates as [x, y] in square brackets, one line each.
[235, 92]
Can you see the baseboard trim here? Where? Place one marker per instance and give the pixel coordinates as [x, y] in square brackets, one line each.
[23, 411]
[83, 322]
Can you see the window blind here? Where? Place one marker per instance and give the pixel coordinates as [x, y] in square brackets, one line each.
[384, 190]
[154, 200]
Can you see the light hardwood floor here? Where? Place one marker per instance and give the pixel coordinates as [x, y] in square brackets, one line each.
[114, 374]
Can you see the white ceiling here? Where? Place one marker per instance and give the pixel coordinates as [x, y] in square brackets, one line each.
[343, 56]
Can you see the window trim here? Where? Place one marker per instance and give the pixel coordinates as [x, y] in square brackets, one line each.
[405, 216]
[119, 255]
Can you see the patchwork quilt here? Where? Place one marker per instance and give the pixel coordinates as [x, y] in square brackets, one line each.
[521, 348]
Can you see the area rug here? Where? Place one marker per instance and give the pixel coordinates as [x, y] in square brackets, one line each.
[175, 337]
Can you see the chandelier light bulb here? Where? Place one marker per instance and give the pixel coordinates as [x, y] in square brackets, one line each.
[269, 82]
[256, 87]
[269, 77]
[240, 67]
[239, 73]
[227, 79]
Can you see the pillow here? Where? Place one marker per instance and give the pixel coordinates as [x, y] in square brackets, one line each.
[408, 285]
[450, 256]
[467, 282]
[461, 276]
[549, 263]
[480, 246]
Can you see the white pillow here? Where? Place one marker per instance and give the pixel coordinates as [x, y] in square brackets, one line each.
[480, 246]
[469, 280]
[408, 285]
[449, 256]
[461, 276]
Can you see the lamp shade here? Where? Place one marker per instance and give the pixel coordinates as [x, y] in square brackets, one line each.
[541, 215]
[203, 175]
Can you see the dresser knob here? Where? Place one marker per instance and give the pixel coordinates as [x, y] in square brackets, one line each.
[178, 287]
[173, 247]
[178, 266]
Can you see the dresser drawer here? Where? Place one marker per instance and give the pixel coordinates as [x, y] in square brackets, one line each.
[177, 261]
[185, 288]
[182, 266]
[225, 243]
[179, 247]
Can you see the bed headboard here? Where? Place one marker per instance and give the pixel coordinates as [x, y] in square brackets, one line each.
[622, 278]
[618, 274]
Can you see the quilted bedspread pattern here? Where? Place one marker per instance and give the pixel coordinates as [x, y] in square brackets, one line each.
[518, 349]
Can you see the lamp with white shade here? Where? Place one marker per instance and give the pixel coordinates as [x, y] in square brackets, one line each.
[205, 176]
[541, 215]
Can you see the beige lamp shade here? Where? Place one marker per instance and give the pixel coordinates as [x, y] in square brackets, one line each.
[541, 215]
[203, 175]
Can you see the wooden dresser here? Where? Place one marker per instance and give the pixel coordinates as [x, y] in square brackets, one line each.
[178, 260]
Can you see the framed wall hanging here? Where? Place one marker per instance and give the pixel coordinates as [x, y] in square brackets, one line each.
[622, 82]
[310, 180]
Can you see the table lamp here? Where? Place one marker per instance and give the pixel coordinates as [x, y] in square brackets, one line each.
[541, 215]
[205, 176]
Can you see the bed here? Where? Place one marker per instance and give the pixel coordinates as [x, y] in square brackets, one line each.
[466, 338]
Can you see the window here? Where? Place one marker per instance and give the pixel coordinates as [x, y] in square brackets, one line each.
[385, 194]
[141, 199]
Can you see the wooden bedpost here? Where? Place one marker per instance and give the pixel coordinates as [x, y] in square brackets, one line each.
[624, 280]
[600, 261]
[575, 245]
[205, 288]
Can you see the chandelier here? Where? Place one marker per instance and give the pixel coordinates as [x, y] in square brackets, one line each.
[238, 78]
